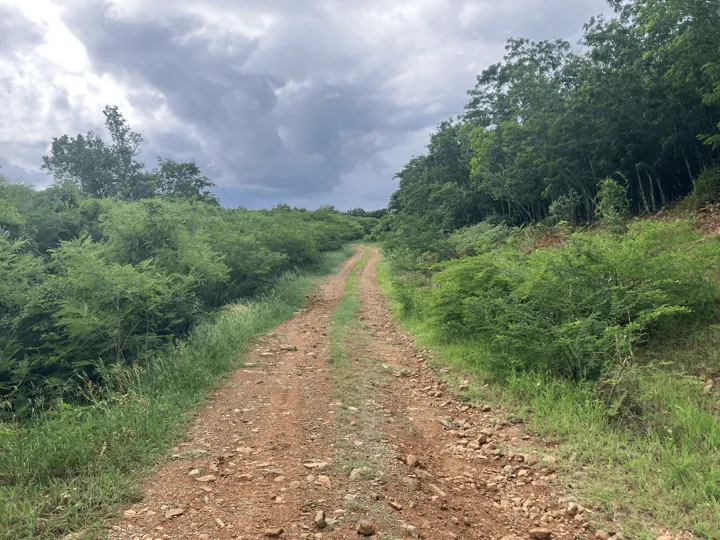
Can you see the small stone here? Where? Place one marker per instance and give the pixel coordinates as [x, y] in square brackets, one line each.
[491, 487]
[365, 527]
[572, 509]
[358, 473]
[411, 531]
[412, 461]
[174, 512]
[129, 513]
[194, 472]
[395, 505]
[515, 420]
[320, 522]
[207, 478]
[466, 521]
[413, 484]
[508, 470]
[540, 534]
[274, 533]
[315, 465]
[204, 537]
[323, 480]
[665, 537]
[602, 535]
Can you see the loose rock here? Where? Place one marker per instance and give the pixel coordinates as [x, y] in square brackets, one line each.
[541, 534]
[207, 478]
[411, 531]
[320, 522]
[174, 512]
[412, 461]
[366, 528]
[274, 533]
[413, 484]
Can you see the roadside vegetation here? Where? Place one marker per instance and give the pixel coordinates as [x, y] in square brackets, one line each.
[517, 249]
[125, 295]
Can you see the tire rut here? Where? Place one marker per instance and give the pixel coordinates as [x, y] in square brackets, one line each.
[241, 471]
[276, 445]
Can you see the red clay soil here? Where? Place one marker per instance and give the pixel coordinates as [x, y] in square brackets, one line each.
[280, 452]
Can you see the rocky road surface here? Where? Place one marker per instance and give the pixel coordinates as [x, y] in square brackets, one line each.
[291, 448]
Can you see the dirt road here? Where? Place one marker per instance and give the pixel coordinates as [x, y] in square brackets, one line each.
[299, 444]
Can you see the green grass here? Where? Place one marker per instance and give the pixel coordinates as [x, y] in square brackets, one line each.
[354, 376]
[659, 470]
[70, 470]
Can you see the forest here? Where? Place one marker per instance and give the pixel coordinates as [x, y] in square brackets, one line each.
[637, 102]
[114, 261]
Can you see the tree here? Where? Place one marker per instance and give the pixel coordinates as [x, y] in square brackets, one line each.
[183, 180]
[99, 169]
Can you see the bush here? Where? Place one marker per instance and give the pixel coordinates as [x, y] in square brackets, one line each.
[613, 204]
[99, 283]
[478, 238]
[566, 208]
[707, 186]
[574, 310]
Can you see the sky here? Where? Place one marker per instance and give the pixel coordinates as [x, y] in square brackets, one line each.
[298, 102]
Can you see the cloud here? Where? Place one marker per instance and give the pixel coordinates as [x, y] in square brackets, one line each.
[305, 102]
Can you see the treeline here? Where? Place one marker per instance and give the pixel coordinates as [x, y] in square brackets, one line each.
[113, 261]
[639, 103]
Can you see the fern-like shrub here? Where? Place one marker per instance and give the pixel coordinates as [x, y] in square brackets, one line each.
[574, 310]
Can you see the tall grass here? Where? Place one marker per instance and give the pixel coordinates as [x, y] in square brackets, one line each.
[661, 469]
[70, 469]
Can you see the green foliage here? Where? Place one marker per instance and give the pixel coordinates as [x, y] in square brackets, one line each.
[72, 467]
[566, 208]
[90, 285]
[479, 238]
[101, 170]
[573, 311]
[641, 444]
[545, 125]
[707, 186]
[613, 205]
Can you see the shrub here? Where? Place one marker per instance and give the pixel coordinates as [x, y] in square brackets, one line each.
[478, 238]
[566, 208]
[613, 204]
[571, 311]
[707, 186]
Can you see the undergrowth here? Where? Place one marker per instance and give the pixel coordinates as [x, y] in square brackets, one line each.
[70, 469]
[645, 431]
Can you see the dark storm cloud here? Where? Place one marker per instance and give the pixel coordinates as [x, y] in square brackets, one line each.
[301, 143]
[298, 101]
